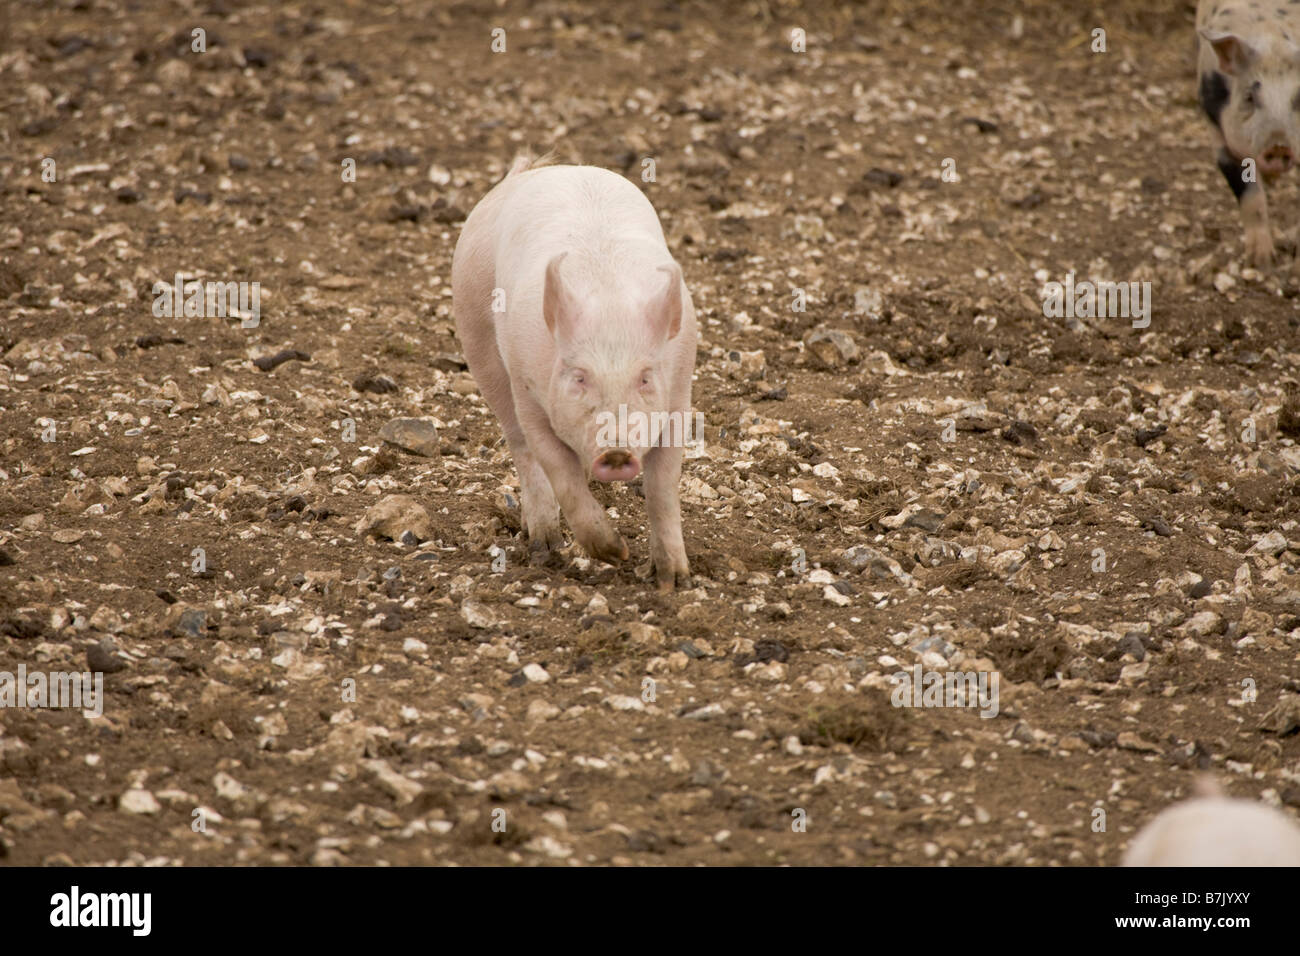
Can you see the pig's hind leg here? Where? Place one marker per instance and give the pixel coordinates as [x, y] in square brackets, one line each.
[477, 332]
[663, 469]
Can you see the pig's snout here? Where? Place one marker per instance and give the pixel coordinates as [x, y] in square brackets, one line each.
[1277, 159]
[617, 464]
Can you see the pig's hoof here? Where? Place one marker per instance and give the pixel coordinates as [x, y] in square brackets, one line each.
[672, 570]
[544, 544]
[671, 565]
[609, 547]
[540, 554]
[1259, 250]
[671, 579]
[548, 538]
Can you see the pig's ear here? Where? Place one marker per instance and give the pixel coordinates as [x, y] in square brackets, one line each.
[557, 306]
[1234, 53]
[667, 309]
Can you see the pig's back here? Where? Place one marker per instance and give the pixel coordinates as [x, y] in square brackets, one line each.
[1217, 831]
[554, 209]
[1249, 19]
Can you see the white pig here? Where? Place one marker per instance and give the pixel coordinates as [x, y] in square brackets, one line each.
[1249, 70]
[569, 305]
[1214, 830]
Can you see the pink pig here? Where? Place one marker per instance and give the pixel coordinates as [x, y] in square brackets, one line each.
[1215, 830]
[569, 305]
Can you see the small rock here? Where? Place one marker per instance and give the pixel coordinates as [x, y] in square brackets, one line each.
[477, 614]
[548, 846]
[868, 302]
[746, 365]
[416, 435]
[832, 348]
[174, 74]
[374, 382]
[540, 710]
[138, 801]
[269, 363]
[832, 595]
[1008, 562]
[402, 789]
[811, 228]
[861, 557]
[1273, 544]
[1159, 525]
[623, 702]
[1131, 741]
[395, 517]
[102, 658]
[707, 712]
[1203, 624]
[1145, 436]
[1132, 673]
[1284, 718]
[189, 621]
[536, 673]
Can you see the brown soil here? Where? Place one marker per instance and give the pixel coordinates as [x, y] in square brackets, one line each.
[774, 171]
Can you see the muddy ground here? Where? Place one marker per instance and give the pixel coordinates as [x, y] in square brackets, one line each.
[1103, 516]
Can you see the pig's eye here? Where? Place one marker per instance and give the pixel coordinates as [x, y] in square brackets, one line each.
[579, 378]
[1251, 99]
[645, 379]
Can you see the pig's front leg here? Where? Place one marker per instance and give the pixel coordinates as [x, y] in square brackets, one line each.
[591, 527]
[663, 471]
[1259, 237]
[1254, 210]
[541, 512]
